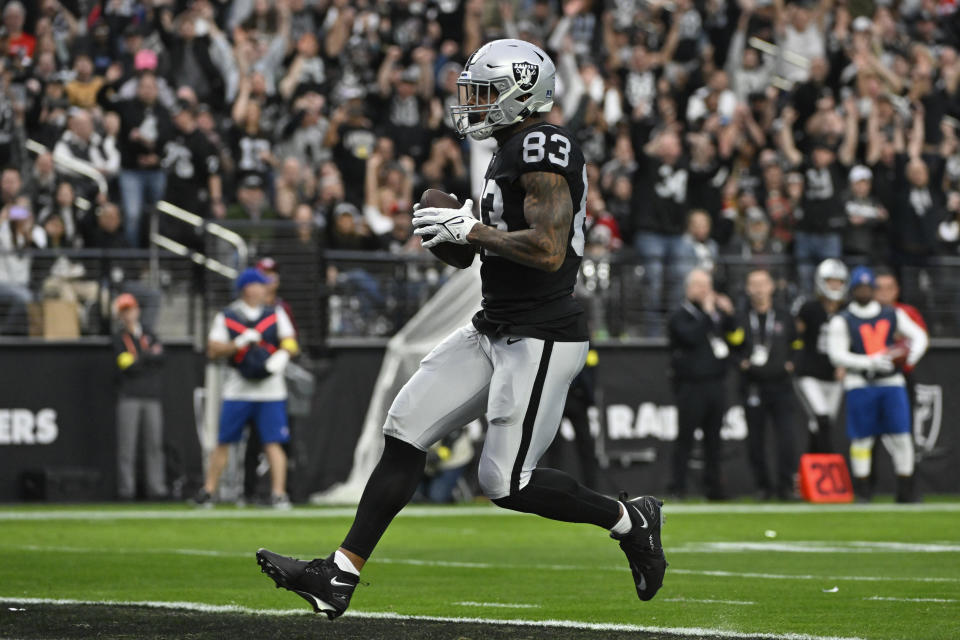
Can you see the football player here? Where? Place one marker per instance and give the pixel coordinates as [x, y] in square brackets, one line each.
[817, 380]
[515, 361]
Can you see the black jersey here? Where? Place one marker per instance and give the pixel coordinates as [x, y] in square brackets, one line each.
[518, 299]
[189, 160]
[814, 361]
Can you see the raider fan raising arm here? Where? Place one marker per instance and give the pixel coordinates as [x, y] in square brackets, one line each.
[514, 362]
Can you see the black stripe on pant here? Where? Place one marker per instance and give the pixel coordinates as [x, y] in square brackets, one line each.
[530, 417]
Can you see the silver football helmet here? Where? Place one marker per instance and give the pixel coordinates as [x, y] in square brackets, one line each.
[503, 82]
[831, 269]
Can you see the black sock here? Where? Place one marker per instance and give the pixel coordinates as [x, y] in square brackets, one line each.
[390, 487]
[555, 495]
[905, 491]
[820, 441]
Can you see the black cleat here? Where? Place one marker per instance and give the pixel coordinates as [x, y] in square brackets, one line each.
[319, 582]
[642, 545]
[202, 499]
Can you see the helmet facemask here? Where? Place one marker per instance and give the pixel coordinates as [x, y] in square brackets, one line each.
[481, 106]
[480, 109]
[476, 104]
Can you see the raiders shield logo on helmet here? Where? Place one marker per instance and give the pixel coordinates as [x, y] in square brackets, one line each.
[526, 74]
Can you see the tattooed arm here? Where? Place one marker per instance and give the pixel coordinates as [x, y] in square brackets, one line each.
[548, 210]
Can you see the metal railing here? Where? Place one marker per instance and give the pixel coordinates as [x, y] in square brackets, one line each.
[69, 292]
[367, 296]
[212, 228]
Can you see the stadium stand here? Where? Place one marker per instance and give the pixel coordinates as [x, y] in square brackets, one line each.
[305, 130]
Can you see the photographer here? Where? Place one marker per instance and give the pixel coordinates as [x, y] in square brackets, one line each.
[765, 366]
[699, 353]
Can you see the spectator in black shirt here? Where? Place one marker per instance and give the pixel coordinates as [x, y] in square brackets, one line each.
[919, 202]
[765, 358]
[659, 219]
[353, 141]
[404, 95]
[12, 104]
[708, 172]
[41, 183]
[348, 231]
[866, 233]
[755, 246]
[699, 353]
[190, 62]
[71, 217]
[145, 128]
[821, 219]
[251, 144]
[103, 229]
[139, 358]
[948, 231]
[193, 167]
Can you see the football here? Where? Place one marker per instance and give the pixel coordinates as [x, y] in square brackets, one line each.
[456, 255]
[898, 352]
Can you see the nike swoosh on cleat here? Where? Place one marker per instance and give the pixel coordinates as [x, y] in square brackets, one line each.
[318, 604]
[640, 513]
[337, 583]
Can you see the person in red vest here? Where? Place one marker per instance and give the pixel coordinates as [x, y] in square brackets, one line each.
[257, 340]
[252, 457]
[863, 340]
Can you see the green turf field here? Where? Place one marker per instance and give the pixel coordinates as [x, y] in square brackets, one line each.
[877, 571]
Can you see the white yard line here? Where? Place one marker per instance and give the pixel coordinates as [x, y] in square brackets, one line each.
[709, 601]
[482, 565]
[417, 511]
[382, 615]
[495, 605]
[817, 546]
[808, 576]
[886, 599]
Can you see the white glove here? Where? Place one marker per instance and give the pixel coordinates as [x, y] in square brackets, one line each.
[250, 336]
[882, 363]
[446, 225]
[278, 361]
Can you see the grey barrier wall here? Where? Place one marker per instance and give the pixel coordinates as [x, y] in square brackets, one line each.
[636, 423]
[57, 422]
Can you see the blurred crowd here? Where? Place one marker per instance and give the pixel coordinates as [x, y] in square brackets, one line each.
[764, 130]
